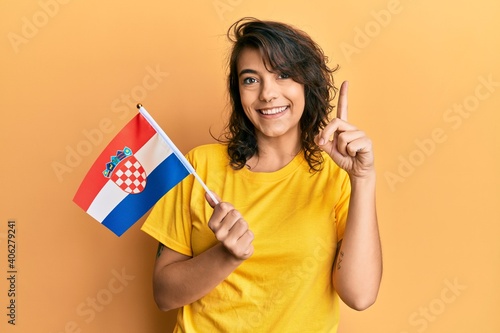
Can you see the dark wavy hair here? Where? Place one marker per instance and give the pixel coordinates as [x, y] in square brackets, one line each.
[288, 50]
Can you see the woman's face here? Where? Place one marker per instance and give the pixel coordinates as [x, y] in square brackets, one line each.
[273, 102]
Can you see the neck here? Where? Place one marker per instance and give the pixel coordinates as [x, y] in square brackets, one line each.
[273, 155]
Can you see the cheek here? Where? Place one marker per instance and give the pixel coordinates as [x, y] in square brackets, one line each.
[243, 97]
[247, 99]
[299, 99]
[245, 104]
[297, 93]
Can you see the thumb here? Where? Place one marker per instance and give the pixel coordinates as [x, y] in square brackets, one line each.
[326, 145]
[212, 198]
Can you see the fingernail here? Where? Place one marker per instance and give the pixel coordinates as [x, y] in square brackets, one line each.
[321, 141]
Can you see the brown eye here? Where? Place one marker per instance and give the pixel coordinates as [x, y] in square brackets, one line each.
[249, 80]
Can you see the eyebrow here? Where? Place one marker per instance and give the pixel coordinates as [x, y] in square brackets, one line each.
[247, 71]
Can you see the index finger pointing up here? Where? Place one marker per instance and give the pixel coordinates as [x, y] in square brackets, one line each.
[342, 105]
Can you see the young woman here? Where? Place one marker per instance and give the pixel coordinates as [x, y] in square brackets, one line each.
[296, 226]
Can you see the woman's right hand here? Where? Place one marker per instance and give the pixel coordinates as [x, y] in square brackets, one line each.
[231, 229]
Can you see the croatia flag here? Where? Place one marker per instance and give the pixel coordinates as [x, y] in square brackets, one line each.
[133, 172]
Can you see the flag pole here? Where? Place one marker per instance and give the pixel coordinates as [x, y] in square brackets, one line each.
[176, 151]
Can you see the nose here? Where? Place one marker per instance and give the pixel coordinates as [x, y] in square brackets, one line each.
[269, 91]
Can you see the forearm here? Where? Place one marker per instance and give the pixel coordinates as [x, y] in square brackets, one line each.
[185, 281]
[358, 266]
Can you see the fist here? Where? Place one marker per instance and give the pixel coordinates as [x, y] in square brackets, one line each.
[231, 229]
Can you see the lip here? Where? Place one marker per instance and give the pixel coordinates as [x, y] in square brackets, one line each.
[273, 111]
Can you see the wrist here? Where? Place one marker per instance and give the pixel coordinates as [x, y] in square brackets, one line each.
[366, 180]
[228, 257]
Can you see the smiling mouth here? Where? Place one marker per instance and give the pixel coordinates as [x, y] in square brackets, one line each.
[273, 110]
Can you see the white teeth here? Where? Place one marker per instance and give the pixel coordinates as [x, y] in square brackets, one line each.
[274, 110]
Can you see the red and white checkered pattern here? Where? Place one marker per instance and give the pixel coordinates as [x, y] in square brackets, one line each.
[130, 176]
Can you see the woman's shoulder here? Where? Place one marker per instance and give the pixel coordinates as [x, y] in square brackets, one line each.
[208, 149]
[207, 152]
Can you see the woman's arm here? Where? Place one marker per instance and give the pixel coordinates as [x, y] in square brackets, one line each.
[179, 279]
[358, 265]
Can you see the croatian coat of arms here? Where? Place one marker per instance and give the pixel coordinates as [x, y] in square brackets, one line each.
[126, 171]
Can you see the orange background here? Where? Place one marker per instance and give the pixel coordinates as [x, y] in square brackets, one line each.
[418, 72]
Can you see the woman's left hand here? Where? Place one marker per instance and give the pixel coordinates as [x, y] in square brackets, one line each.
[349, 147]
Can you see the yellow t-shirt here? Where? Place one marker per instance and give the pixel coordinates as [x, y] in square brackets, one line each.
[297, 218]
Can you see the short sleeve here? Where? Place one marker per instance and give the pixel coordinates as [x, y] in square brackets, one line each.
[169, 221]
